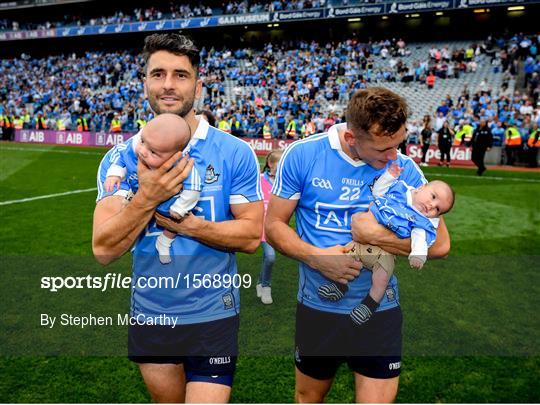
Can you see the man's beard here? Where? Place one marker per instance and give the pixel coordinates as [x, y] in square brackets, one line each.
[185, 107]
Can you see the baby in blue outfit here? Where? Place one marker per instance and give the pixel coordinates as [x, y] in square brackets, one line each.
[409, 213]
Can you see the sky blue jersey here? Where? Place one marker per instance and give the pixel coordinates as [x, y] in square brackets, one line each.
[231, 176]
[330, 187]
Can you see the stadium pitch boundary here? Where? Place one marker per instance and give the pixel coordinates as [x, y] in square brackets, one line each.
[79, 152]
[42, 197]
[86, 190]
[482, 177]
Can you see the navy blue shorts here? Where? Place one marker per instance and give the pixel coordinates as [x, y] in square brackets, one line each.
[207, 349]
[325, 340]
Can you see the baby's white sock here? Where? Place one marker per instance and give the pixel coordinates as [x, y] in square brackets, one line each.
[163, 246]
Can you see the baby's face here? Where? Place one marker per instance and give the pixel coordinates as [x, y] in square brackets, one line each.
[160, 141]
[432, 199]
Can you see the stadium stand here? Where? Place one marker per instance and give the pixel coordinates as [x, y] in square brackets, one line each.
[169, 10]
[293, 88]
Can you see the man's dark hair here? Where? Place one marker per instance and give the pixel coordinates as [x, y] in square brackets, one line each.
[377, 106]
[209, 117]
[174, 43]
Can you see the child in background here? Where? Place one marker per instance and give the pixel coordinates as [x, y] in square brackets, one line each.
[161, 138]
[268, 174]
[409, 213]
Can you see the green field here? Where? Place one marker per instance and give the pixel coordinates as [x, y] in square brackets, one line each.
[471, 332]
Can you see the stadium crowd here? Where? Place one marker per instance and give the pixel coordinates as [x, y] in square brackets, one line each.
[172, 10]
[288, 90]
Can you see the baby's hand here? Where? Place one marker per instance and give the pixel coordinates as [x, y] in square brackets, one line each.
[395, 170]
[416, 262]
[112, 181]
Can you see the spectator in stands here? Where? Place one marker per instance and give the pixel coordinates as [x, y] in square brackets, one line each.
[413, 132]
[208, 116]
[440, 119]
[336, 70]
[445, 136]
[497, 131]
[443, 108]
[425, 139]
[430, 80]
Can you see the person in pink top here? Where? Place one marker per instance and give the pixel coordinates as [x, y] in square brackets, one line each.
[268, 174]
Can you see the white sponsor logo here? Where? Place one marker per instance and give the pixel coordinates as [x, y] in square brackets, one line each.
[32, 136]
[419, 6]
[456, 154]
[336, 218]
[74, 138]
[204, 22]
[394, 366]
[357, 10]
[321, 183]
[220, 360]
[352, 182]
[244, 19]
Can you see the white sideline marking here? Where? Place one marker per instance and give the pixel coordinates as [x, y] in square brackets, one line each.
[78, 152]
[42, 197]
[482, 177]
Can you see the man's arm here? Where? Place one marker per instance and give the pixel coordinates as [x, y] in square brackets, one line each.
[116, 227]
[332, 262]
[242, 234]
[366, 229]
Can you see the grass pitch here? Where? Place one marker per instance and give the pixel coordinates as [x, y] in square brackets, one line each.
[471, 330]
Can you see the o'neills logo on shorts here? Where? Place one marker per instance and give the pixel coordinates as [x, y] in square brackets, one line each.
[394, 366]
[220, 360]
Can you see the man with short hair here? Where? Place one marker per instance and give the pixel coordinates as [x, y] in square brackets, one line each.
[195, 360]
[326, 180]
[482, 142]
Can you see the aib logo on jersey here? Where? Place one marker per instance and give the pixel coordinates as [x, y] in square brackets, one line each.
[336, 217]
[211, 175]
[321, 183]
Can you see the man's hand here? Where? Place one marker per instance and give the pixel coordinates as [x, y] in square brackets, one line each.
[175, 215]
[181, 226]
[164, 182]
[366, 230]
[335, 264]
